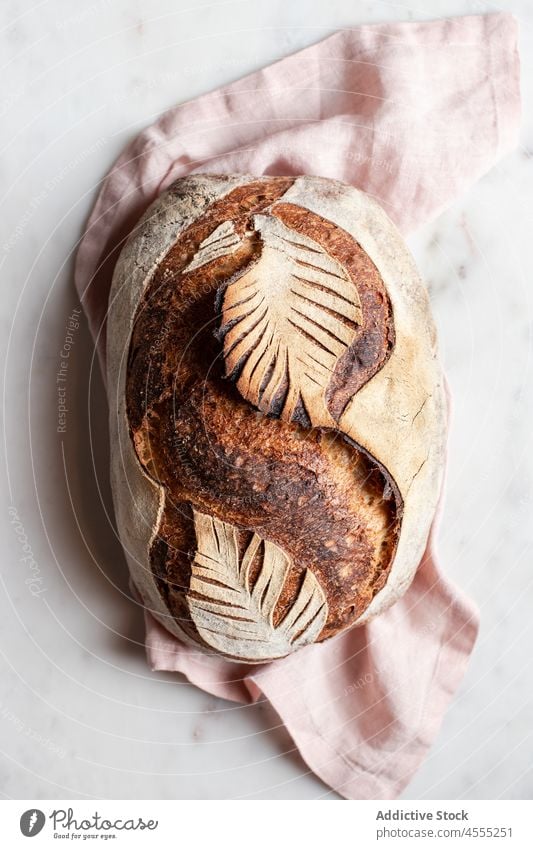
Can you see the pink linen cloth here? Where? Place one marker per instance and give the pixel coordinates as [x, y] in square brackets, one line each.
[413, 113]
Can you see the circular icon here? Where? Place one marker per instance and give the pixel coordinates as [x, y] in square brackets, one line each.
[32, 822]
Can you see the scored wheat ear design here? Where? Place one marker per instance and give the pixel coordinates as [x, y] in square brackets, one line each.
[233, 617]
[286, 321]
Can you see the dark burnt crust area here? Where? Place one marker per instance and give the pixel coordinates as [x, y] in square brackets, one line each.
[374, 343]
[318, 496]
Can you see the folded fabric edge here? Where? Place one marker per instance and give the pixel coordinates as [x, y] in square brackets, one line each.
[508, 98]
[357, 782]
[219, 678]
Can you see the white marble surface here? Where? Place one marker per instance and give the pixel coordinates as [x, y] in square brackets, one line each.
[80, 714]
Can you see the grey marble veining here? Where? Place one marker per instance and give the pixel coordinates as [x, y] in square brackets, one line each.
[80, 713]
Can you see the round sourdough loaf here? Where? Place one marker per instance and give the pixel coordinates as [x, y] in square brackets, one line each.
[277, 411]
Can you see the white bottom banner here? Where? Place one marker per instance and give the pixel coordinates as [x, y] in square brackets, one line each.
[232, 825]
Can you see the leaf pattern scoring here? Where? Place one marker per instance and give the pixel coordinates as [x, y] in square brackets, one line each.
[222, 241]
[234, 618]
[286, 321]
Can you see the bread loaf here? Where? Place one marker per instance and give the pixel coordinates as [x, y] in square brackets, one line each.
[277, 412]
